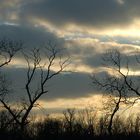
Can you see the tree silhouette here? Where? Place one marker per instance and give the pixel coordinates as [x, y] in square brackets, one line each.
[117, 85]
[8, 49]
[41, 69]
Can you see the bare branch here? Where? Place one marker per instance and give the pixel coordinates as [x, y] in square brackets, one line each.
[8, 48]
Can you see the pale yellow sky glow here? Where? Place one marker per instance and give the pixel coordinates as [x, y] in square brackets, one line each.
[70, 29]
[94, 101]
[97, 102]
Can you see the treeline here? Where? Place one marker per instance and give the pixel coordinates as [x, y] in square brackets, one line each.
[84, 125]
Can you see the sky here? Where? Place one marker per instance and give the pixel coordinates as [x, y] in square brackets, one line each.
[85, 28]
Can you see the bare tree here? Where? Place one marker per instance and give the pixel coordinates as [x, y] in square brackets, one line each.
[116, 85]
[69, 119]
[87, 117]
[42, 65]
[8, 48]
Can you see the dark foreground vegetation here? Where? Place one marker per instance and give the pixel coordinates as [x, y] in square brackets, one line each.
[16, 121]
[72, 125]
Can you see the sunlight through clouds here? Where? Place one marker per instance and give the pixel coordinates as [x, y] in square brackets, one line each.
[86, 29]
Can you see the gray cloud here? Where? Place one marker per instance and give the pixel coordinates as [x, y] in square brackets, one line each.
[32, 37]
[87, 52]
[72, 85]
[65, 86]
[28, 34]
[96, 60]
[97, 13]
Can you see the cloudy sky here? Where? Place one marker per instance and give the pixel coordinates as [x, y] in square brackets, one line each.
[85, 28]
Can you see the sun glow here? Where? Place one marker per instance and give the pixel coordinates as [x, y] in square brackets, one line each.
[79, 103]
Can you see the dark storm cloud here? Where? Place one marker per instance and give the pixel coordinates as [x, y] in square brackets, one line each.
[72, 85]
[28, 34]
[85, 12]
[65, 86]
[31, 37]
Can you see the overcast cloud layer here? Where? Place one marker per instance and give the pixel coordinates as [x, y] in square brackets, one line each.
[69, 24]
[96, 13]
